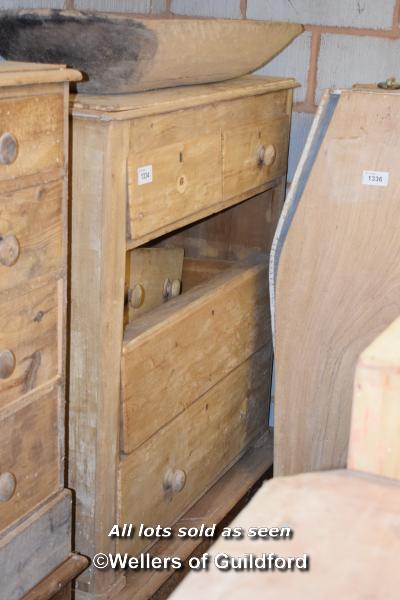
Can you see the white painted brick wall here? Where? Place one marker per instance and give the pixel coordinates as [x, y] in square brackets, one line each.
[292, 62]
[348, 59]
[158, 6]
[229, 9]
[301, 124]
[15, 4]
[370, 14]
[133, 6]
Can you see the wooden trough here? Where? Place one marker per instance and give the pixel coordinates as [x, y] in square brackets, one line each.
[121, 54]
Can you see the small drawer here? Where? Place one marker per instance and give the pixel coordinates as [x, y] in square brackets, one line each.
[31, 135]
[29, 341]
[170, 183]
[30, 234]
[29, 456]
[168, 473]
[254, 155]
[177, 352]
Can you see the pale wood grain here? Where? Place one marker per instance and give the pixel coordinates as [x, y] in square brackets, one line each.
[243, 168]
[375, 427]
[212, 508]
[97, 305]
[30, 451]
[129, 106]
[203, 442]
[201, 337]
[338, 282]
[37, 124]
[29, 329]
[345, 521]
[149, 268]
[34, 216]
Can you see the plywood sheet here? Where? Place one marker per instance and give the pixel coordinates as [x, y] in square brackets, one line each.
[338, 282]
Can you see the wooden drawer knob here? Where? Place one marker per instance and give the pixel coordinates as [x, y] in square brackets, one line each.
[8, 149]
[266, 155]
[8, 484]
[9, 250]
[174, 481]
[136, 296]
[172, 289]
[7, 364]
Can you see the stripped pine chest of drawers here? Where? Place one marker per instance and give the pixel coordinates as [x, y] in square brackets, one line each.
[35, 509]
[175, 197]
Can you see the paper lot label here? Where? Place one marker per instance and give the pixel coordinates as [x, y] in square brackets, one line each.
[375, 178]
[145, 174]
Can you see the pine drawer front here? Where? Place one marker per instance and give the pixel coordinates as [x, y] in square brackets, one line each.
[176, 353]
[175, 467]
[30, 234]
[29, 341]
[254, 155]
[29, 455]
[171, 182]
[29, 552]
[31, 135]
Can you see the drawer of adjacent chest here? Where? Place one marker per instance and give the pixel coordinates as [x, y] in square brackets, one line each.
[169, 183]
[178, 351]
[29, 341]
[169, 472]
[29, 456]
[30, 234]
[31, 135]
[31, 551]
[253, 155]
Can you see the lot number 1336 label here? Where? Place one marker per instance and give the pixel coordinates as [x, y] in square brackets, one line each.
[379, 178]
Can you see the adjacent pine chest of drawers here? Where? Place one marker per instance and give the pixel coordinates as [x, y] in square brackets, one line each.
[175, 197]
[35, 509]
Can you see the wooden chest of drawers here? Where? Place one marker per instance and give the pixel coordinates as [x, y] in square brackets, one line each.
[35, 509]
[176, 195]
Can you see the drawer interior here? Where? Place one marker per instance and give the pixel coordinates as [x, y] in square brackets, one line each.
[210, 246]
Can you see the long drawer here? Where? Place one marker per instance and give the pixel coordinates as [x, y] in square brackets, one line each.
[30, 234]
[30, 468]
[170, 471]
[29, 341]
[177, 352]
[29, 552]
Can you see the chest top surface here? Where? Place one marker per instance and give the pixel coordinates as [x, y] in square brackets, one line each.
[21, 73]
[128, 106]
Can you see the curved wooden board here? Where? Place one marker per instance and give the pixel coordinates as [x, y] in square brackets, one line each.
[120, 54]
[338, 281]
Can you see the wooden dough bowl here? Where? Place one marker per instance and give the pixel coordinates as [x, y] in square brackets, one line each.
[121, 54]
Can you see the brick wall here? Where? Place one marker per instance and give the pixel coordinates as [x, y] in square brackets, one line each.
[345, 41]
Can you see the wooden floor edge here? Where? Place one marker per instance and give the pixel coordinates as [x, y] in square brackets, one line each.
[57, 579]
[213, 507]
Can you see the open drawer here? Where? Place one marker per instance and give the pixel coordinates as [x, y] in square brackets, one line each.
[177, 352]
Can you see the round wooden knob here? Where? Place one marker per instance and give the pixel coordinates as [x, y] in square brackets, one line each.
[266, 155]
[8, 484]
[136, 296]
[9, 250]
[171, 288]
[7, 364]
[174, 481]
[8, 149]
